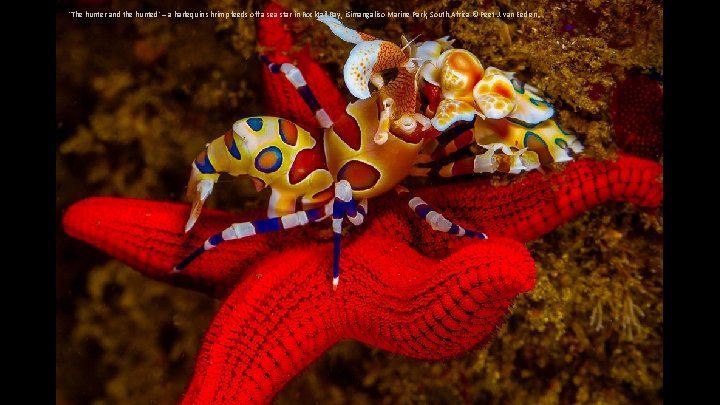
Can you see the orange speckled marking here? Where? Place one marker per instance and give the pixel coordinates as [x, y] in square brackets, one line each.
[366, 37]
[402, 90]
[502, 89]
[462, 62]
[449, 109]
[461, 71]
[389, 56]
[360, 175]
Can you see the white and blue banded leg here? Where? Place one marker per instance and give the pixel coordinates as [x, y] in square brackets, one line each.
[296, 78]
[436, 220]
[244, 229]
[343, 205]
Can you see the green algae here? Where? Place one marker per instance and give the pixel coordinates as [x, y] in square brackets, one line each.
[138, 97]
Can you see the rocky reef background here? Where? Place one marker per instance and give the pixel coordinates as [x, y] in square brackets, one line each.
[137, 98]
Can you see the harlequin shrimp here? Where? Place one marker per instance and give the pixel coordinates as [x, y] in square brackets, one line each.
[509, 120]
[379, 140]
[515, 126]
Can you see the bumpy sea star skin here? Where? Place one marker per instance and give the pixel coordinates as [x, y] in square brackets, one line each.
[277, 42]
[637, 114]
[279, 314]
[268, 330]
[406, 288]
[148, 235]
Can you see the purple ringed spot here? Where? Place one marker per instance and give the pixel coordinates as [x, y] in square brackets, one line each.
[269, 159]
[255, 123]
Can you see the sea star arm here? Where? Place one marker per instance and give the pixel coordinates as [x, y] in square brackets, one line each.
[420, 307]
[297, 79]
[149, 237]
[266, 331]
[537, 203]
[280, 314]
[392, 297]
[277, 43]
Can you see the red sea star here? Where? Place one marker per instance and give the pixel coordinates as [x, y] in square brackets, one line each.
[279, 314]
[637, 114]
[276, 41]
